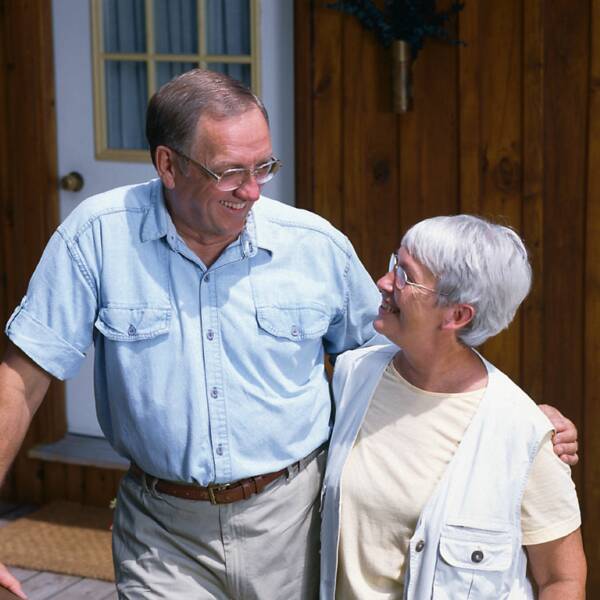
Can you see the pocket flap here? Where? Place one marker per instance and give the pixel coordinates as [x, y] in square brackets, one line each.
[133, 324]
[293, 323]
[484, 553]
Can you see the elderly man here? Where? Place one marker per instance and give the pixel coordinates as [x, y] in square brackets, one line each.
[210, 314]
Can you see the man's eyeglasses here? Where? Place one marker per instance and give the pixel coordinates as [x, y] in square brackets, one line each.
[232, 179]
[401, 278]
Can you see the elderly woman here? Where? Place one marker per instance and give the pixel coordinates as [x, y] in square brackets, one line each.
[441, 481]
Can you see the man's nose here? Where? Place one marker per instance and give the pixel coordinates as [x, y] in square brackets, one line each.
[249, 191]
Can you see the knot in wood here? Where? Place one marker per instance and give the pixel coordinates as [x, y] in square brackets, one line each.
[381, 172]
[507, 175]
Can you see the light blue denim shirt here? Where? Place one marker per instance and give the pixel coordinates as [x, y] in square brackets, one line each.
[205, 375]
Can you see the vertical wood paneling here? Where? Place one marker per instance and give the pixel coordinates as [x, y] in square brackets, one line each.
[303, 106]
[8, 489]
[100, 486]
[469, 111]
[75, 483]
[532, 228]
[498, 54]
[591, 414]
[326, 92]
[370, 200]
[30, 198]
[428, 137]
[566, 71]
[504, 121]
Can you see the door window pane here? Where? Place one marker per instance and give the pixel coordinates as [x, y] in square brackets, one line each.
[176, 26]
[237, 71]
[139, 45]
[124, 26]
[227, 26]
[126, 100]
[165, 71]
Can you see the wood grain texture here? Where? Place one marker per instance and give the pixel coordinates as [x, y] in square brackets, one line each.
[532, 215]
[497, 193]
[428, 137]
[566, 87]
[507, 127]
[590, 494]
[303, 105]
[326, 99]
[8, 489]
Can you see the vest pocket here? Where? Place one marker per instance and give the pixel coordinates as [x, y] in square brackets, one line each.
[471, 563]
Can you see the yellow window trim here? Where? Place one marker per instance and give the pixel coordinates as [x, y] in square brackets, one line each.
[151, 58]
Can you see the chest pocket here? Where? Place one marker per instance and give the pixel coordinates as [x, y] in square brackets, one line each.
[296, 324]
[472, 563]
[133, 324]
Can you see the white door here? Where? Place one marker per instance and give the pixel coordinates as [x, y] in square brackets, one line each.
[76, 146]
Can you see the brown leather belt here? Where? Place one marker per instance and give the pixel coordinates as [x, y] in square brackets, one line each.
[220, 493]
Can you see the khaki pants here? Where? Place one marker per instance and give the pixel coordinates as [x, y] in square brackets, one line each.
[262, 548]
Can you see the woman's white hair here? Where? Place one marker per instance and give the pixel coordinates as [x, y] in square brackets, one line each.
[475, 262]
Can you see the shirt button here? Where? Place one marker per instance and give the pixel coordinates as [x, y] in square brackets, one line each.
[420, 545]
[207, 278]
[131, 330]
[295, 331]
[477, 556]
[214, 393]
[220, 450]
[210, 334]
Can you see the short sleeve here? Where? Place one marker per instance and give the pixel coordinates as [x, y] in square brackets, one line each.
[354, 327]
[54, 322]
[550, 509]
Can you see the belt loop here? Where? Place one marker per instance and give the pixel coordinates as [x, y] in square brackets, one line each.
[292, 471]
[149, 484]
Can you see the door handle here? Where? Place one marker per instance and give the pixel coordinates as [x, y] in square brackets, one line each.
[72, 182]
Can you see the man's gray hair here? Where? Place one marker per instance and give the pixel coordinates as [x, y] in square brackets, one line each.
[476, 262]
[174, 110]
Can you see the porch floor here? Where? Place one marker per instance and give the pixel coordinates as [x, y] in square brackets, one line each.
[43, 585]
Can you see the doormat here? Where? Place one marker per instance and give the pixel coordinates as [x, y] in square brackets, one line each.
[62, 537]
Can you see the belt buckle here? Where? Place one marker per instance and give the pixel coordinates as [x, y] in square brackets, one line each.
[216, 487]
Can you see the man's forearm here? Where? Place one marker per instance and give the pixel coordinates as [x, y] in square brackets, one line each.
[15, 418]
[23, 386]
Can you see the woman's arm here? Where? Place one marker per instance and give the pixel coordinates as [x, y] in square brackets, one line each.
[559, 568]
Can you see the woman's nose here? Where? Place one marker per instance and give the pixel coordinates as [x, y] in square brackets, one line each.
[386, 282]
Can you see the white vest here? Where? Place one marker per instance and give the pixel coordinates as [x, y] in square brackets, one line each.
[467, 543]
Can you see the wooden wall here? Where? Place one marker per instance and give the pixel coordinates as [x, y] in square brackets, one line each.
[508, 127]
[28, 215]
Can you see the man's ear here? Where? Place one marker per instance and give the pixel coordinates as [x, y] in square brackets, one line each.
[165, 166]
[457, 316]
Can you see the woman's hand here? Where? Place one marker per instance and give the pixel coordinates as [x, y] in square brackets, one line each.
[565, 438]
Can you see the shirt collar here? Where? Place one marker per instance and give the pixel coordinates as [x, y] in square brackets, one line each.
[259, 229]
[157, 224]
[157, 219]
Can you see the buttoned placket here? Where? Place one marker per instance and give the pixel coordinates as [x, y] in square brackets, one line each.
[211, 342]
[213, 369]
[212, 355]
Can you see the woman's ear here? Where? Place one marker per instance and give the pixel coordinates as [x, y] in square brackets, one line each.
[457, 316]
[165, 166]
